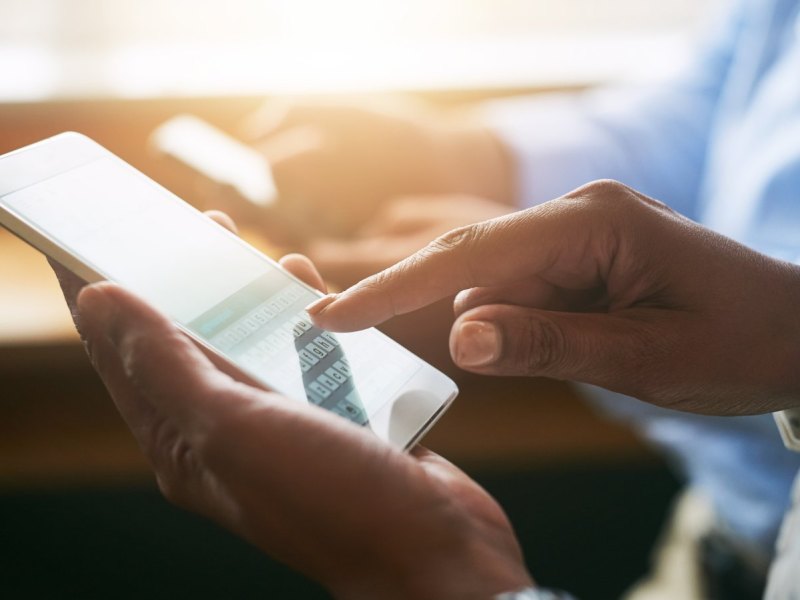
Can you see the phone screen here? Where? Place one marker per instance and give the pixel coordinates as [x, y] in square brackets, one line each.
[134, 232]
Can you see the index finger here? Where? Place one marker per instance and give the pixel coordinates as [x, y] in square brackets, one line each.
[498, 251]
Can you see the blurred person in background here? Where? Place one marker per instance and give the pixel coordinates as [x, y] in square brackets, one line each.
[719, 143]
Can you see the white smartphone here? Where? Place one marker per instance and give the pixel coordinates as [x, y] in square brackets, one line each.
[98, 216]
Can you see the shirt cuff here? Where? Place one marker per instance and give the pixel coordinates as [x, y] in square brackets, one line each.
[788, 422]
[535, 594]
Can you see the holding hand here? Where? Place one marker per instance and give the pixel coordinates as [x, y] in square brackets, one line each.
[608, 287]
[307, 487]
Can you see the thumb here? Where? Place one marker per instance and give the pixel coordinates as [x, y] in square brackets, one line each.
[140, 353]
[599, 348]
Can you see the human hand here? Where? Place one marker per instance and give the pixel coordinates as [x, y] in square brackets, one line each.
[608, 287]
[400, 228]
[309, 488]
[336, 161]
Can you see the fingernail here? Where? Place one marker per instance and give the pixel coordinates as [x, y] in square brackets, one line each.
[477, 343]
[318, 306]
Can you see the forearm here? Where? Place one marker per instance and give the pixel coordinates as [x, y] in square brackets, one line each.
[445, 555]
[439, 579]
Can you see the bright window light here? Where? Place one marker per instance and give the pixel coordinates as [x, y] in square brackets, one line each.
[87, 48]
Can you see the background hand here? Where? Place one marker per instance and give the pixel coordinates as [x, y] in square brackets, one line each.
[336, 161]
[608, 287]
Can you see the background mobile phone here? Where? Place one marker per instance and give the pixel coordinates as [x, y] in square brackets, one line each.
[225, 173]
[104, 220]
[225, 162]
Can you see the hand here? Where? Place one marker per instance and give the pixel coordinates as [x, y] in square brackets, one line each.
[336, 161]
[608, 287]
[309, 488]
[401, 227]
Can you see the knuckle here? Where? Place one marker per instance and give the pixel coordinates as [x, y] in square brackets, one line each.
[460, 239]
[463, 245]
[604, 193]
[382, 279]
[608, 188]
[610, 194]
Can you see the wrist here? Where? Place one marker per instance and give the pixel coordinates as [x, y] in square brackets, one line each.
[437, 580]
[475, 570]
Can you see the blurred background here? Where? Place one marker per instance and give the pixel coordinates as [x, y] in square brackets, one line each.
[180, 47]
[79, 513]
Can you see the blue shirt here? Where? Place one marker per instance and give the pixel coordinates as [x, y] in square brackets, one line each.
[721, 144]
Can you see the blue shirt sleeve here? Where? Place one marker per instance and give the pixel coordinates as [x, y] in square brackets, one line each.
[653, 139]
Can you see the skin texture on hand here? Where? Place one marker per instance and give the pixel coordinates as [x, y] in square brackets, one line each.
[608, 287]
[336, 161]
[309, 488]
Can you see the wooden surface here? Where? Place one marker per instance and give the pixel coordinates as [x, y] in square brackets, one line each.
[29, 311]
